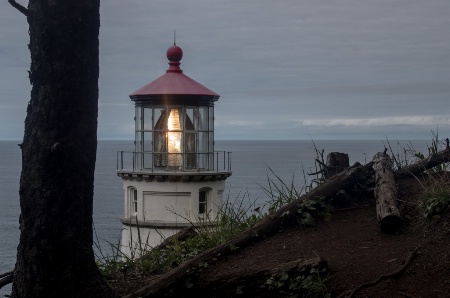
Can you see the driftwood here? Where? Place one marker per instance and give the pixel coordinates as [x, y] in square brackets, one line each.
[385, 192]
[266, 227]
[425, 164]
[336, 163]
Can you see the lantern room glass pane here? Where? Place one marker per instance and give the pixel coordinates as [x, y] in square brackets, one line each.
[175, 120]
[148, 117]
[190, 149]
[160, 149]
[211, 119]
[137, 159]
[203, 118]
[147, 160]
[211, 141]
[211, 150]
[147, 141]
[203, 142]
[160, 119]
[203, 150]
[138, 141]
[190, 119]
[174, 148]
[137, 119]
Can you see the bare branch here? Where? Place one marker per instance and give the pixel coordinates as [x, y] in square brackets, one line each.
[19, 7]
[6, 278]
[6, 274]
[380, 278]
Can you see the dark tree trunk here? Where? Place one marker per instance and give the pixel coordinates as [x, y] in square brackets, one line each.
[55, 256]
[336, 163]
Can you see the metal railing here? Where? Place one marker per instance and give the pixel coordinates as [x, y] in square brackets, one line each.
[217, 161]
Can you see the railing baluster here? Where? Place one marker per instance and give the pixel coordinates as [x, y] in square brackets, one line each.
[203, 161]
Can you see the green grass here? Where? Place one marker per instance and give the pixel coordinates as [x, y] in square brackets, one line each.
[435, 197]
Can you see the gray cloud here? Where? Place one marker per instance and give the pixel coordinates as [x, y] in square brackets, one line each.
[275, 64]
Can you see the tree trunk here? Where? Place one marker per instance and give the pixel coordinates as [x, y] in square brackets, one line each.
[336, 162]
[266, 227]
[386, 194]
[55, 256]
[425, 164]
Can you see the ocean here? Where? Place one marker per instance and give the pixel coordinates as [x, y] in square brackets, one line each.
[253, 164]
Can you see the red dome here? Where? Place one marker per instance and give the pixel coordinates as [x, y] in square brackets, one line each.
[174, 84]
[174, 53]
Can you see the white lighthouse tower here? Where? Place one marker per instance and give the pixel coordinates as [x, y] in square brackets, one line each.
[174, 178]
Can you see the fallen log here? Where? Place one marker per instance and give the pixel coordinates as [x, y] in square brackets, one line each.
[266, 227]
[181, 236]
[385, 192]
[255, 283]
[431, 161]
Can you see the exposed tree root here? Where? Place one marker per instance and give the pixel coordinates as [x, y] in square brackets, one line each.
[351, 293]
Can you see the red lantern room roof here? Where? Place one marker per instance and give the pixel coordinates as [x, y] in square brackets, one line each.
[174, 84]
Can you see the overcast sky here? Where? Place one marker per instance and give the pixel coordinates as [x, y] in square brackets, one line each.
[286, 69]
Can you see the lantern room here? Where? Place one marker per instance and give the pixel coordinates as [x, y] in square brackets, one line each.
[173, 178]
[174, 127]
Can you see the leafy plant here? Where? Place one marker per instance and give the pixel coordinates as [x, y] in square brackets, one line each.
[310, 210]
[308, 284]
[435, 199]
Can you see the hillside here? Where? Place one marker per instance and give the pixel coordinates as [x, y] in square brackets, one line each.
[414, 262]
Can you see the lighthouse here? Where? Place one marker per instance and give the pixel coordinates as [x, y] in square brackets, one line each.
[173, 178]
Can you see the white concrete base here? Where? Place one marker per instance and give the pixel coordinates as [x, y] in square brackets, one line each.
[156, 210]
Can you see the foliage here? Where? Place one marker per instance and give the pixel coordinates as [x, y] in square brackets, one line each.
[310, 210]
[306, 283]
[233, 219]
[435, 147]
[320, 169]
[435, 199]
[405, 156]
[280, 193]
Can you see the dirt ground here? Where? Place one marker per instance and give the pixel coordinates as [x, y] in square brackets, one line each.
[356, 250]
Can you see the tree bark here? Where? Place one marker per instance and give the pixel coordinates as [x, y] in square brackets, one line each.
[336, 162]
[385, 192]
[55, 256]
[266, 227]
[425, 164]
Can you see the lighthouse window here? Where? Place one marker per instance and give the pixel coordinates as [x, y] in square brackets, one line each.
[202, 202]
[133, 200]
